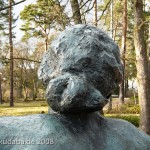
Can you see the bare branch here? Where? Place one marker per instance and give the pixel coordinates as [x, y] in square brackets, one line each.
[84, 4]
[27, 59]
[17, 58]
[88, 9]
[1, 9]
[104, 9]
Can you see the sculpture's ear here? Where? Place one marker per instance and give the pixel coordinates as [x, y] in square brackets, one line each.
[45, 70]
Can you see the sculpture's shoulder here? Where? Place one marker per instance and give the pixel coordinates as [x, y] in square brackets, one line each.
[65, 132]
[127, 133]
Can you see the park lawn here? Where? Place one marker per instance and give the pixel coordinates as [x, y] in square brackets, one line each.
[23, 108]
[38, 107]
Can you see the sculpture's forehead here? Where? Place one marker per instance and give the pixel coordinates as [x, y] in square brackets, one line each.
[78, 46]
[81, 43]
[93, 49]
[79, 53]
[82, 39]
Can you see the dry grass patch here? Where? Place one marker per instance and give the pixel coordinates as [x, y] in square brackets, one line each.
[23, 108]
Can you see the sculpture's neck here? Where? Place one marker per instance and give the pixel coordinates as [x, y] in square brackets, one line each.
[50, 111]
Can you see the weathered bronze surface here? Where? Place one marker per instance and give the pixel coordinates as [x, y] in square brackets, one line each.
[81, 69]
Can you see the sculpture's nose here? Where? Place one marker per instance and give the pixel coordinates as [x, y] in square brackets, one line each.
[75, 92]
[95, 98]
[56, 86]
[65, 91]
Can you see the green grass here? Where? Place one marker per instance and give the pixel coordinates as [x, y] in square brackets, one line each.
[23, 108]
[125, 109]
[37, 107]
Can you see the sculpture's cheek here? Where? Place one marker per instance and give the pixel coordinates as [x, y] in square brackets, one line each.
[75, 93]
[95, 99]
[55, 89]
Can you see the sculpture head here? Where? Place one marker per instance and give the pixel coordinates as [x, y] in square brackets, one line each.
[81, 69]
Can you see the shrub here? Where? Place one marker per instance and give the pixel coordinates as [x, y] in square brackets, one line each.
[130, 118]
[125, 109]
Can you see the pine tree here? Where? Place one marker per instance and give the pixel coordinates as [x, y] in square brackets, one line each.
[41, 17]
[123, 52]
[142, 67]
[11, 55]
[76, 11]
[3, 16]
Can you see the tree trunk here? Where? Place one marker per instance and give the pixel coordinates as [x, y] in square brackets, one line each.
[121, 91]
[115, 30]
[46, 43]
[126, 87]
[95, 13]
[142, 67]
[123, 53]
[112, 36]
[111, 21]
[1, 99]
[148, 46]
[20, 89]
[110, 104]
[26, 93]
[63, 19]
[76, 11]
[11, 54]
[34, 90]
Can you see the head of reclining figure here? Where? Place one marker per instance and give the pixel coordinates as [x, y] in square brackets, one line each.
[81, 69]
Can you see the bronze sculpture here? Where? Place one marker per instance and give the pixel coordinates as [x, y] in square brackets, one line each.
[81, 69]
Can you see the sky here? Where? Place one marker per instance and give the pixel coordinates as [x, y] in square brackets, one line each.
[16, 10]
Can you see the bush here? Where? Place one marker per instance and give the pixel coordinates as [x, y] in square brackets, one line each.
[126, 109]
[130, 118]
